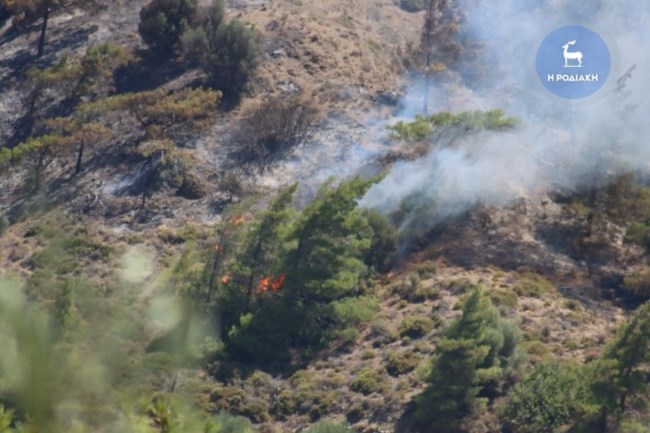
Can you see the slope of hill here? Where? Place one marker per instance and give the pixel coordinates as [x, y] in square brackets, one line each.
[169, 288]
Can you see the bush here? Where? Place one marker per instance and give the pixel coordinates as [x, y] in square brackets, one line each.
[426, 270]
[639, 233]
[233, 424]
[503, 299]
[347, 337]
[550, 397]
[415, 326]
[163, 21]
[328, 427]
[414, 291]
[236, 401]
[536, 348]
[228, 53]
[381, 333]
[639, 283]
[532, 285]
[413, 5]
[398, 363]
[275, 127]
[354, 311]
[367, 382]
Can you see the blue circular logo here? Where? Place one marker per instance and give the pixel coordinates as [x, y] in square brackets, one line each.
[573, 62]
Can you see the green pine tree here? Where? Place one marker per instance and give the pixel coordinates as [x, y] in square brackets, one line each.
[620, 376]
[475, 357]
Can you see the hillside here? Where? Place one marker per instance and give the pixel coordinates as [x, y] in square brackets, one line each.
[261, 224]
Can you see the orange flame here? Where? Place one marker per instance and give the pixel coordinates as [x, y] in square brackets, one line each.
[277, 284]
[268, 284]
[218, 248]
[225, 279]
[264, 285]
[238, 220]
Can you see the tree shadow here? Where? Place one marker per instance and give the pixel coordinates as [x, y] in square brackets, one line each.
[150, 71]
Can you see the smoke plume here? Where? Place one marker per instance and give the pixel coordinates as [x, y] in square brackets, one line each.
[558, 143]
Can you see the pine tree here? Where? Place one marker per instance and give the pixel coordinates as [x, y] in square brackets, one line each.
[265, 242]
[163, 21]
[80, 135]
[331, 238]
[620, 375]
[228, 52]
[475, 356]
[322, 253]
[69, 82]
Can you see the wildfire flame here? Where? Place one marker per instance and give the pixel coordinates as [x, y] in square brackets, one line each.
[268, 284]
[264, 285]
[225, 279]
[218, 248]
[238, 220]
[277, 284]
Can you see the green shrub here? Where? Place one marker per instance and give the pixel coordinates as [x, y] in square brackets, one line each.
[550, 397]
[633, 426]
[398, 363]
[426, 270]
[503, 298]
[323, 404]
[328, 427]
[355, 310]
[347, 337]
[639, 233]
[367, 381]
[236, 401]
[412, 5]
[413, 290]
[536, 348]
[532, 285]
[639, 283]
[163, 21]
[382, 333]
[228, 53]
[415, 326]
[233, 424]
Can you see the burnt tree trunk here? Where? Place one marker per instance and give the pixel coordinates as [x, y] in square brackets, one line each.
[80, 155]
[41, 39]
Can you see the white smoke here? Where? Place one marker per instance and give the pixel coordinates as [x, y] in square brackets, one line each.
[557, 142]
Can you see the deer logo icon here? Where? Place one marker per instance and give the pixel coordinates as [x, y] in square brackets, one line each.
[571, 55]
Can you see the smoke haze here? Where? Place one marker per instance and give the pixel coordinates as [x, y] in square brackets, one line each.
[558, 143]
